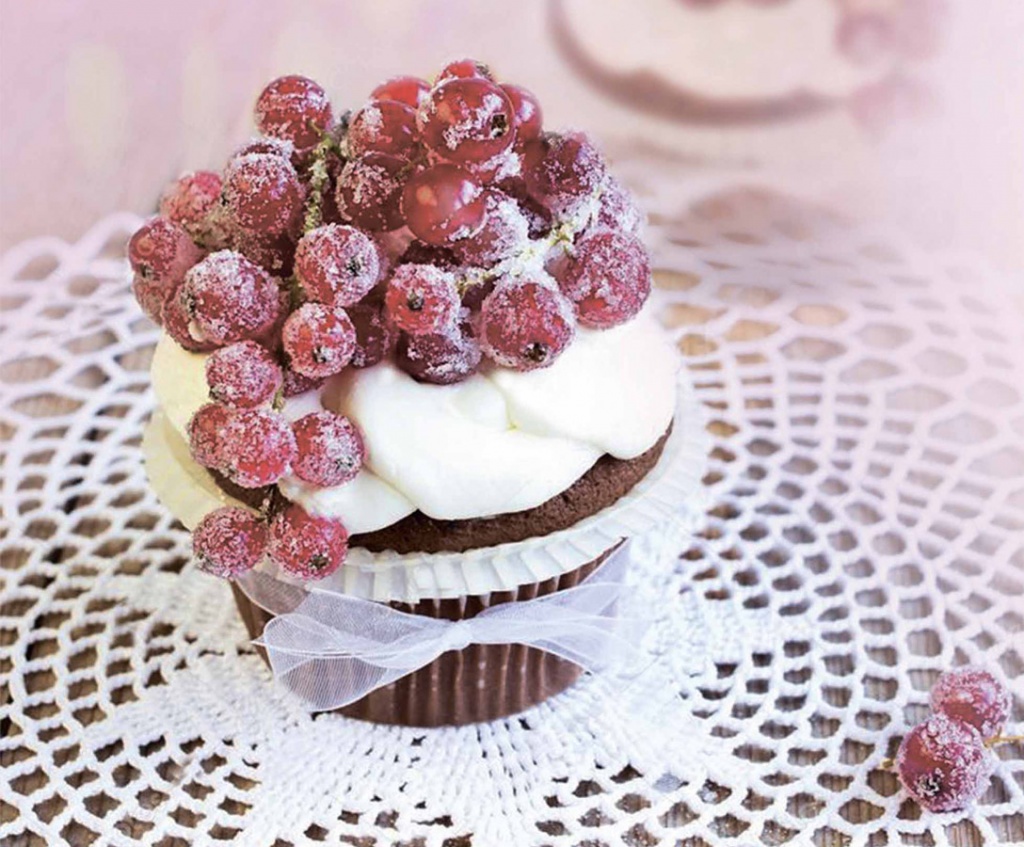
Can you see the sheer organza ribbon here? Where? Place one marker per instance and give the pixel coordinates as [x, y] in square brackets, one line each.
[332, 649]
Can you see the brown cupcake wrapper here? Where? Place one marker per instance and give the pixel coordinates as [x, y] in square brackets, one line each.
[481, 682]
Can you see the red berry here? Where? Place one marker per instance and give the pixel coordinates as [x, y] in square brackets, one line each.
[609, 280]
[505, 232]
[178, 324]
[463, 69]
[229, 298]
[526, 108]
[974, 696]
[410, 90]
[275, 253]
[192, 201]
[562, 170]
[418, 253]
[422, 299]
[537, 215]
[308, 546]
[442, 204]
[228, 542]
[618, 209]
[369, 192]
[263, 193]
[318, 339]
[151, 294]
[205, 434]
[526, 324]
[943, 763]
[374, 334]
[257, 448]
[280, 147]
[468, 120]
[441, 359]
[330, 449]
[337, 265]
[294, 108]
[296, 383]
[383, 126]
[162, 251]
[243, 374]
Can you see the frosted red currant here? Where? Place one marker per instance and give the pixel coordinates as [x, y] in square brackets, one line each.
[375, 336]
[294, 108]
[422, 299]
[609, 279]
[244, 374]
[262, 193]
[296, 383]
[330, 449]
[306, 545]
[505, 231]
[162, 251]
[538, 216]
[280, 147]
[420, 253]
[468, 120]
[463, 69]
[618, 209]
[150, 294]
[975, 696]
[526, 108]
[526, 324]
[440, 358]
[562, 170]
[410, 90]
[943, 763]
[336, 264]
[228, 542]
[383, 126]
[318, 339]
[206, 434]
[274, 253]
[229, 298]
[191, 201]
[178, 324]
[443, 203]
[369, 191]
[257, 448]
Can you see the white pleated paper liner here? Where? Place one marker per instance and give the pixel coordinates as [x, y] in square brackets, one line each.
[672, 489]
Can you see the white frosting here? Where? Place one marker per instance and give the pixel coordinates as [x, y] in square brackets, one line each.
[501, 441]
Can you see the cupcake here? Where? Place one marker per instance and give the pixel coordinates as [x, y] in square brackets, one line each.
[407, 358]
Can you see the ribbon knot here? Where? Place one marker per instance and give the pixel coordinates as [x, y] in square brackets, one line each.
[332, 649]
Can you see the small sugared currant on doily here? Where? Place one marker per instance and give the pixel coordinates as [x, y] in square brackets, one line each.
[229, 541]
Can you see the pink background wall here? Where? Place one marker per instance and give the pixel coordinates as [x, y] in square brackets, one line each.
[101, 103]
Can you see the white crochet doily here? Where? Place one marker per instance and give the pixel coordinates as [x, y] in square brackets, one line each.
[866, 531]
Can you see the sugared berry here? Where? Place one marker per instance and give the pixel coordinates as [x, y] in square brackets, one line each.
[369, 191]
[178, 324]
[243, 375]
[192, 201]
[296, 383]
[618, 209]
[307, 546]
[561, 171]
[337, 265]
[229, 298]
[330, 449]
[263, 194]
[374, 334]
[257, 448]
[609, 280]
[410, 90]
[463, 69]
[974, 696]
[294, 108]
[274, 253]
[943, 763]
[228, 542]
[206, 434]
[150, 294]
[419, 253]
[526, 108]
[505, 231]
[383, 126]
[526, 323]
[162, 251]
[422, 299]
[442, 204]
[441, 359]
[318, 339]
[468, 120]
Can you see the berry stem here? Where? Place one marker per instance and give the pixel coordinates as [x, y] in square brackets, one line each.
[319, 180]
[1003, 739]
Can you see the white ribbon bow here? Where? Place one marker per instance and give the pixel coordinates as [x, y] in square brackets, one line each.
[332, 649]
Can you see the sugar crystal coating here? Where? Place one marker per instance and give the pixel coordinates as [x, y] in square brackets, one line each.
[263, 193]
[974, 696]
[609, 279]
[244, 374]
[319, 340]
[526, 323]
[162, 251]
[192, 201]
[294, 108]
[468, 120]
[369, 191]
[206, 434]
[306, 545]
[561, 171]
[257, 448]
[375, 336]
[337, 265]
[421, 299]
[383, 126]
[439, 358]
[442, 204]
[505, 231]
[229, 298]
[410, 90]
[330, 449]
[228, 542]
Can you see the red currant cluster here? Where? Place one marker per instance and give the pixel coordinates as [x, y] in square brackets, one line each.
[436, 225]
[945, 761]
